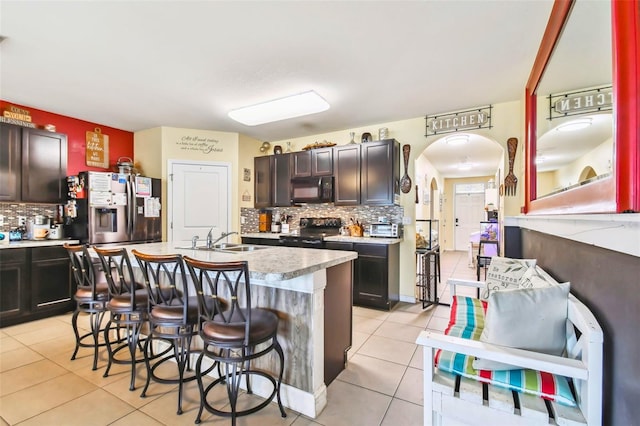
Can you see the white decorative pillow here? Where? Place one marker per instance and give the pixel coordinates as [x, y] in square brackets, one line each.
[533, 279]
[530, 318]
[504, 273]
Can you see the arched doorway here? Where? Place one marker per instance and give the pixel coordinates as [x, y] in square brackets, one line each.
[587, 173]
[456, 168]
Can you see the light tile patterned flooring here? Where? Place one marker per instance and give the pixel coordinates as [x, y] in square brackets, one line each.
[382, 385]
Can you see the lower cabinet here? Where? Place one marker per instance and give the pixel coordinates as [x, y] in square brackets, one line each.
[34, 283]
[376, 273]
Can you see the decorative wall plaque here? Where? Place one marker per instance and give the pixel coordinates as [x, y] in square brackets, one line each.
[97, 149]
[477, 118]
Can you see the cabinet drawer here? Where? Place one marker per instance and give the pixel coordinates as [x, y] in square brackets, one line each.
[13, 255]
[336, 245]
[378, 250]
[48, 253]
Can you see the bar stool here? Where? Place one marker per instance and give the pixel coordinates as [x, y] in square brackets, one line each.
[173, 316]
[232, 334]
[128, 305]
[91, 297]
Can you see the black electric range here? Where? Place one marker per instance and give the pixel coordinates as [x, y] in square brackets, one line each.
[312, 233]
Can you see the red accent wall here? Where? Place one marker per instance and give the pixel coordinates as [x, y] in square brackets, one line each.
[120, 141]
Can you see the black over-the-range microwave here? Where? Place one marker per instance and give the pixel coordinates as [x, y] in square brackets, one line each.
[312, 190]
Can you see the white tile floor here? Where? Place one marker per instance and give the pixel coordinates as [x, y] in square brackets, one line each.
[382, 385]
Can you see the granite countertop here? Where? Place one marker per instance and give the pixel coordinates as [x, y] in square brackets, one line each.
[269, 264]
[36, 243]
[338, 238]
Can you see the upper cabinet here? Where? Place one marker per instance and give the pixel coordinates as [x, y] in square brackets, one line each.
[380, 175]
[272, 181]
[262, 181]
[33, 165]
[346, 168]
[363, 174]
[367, 173]
[315, 162]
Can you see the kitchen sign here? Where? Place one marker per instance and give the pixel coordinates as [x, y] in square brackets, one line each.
[97, 149]
[581, 102]
[477, 118]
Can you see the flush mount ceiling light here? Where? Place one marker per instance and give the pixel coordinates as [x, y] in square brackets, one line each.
[457, 140]
[540, 159]
[280, 109]
[578, 124]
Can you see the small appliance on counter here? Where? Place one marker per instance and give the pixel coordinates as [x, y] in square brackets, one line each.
[385, 230]
[264, 220]
[56, 231]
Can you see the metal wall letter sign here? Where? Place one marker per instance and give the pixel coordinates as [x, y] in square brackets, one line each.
[477, 118]
[581, 102]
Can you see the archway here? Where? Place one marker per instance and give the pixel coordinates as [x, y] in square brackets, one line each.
[587, 173]
[462, 161]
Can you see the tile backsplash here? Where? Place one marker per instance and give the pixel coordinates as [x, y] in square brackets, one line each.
[363, 214]
[11, 211]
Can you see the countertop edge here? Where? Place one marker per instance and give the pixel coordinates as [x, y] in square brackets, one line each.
[36, 243]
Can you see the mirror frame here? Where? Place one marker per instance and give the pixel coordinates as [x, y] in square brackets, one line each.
[621, 192]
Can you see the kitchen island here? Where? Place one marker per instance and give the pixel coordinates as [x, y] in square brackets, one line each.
[310, 291]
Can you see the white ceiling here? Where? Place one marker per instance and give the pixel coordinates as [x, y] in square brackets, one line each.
[139, 65]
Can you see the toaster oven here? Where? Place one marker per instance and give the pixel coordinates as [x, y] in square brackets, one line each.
[385, 230]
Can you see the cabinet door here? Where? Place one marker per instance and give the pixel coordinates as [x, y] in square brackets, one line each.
[51, 284]
[282, 180]
[346, 167]
[337, 245]
[262, 181]
[370, 287]
[44, 166]
[14, 282]
[301, 164]
[380, 172]
[10, 165]
[322, 162]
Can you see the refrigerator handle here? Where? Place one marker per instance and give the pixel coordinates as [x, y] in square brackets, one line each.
[132, 204]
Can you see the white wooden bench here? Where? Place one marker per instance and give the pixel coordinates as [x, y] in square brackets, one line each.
[497, 406]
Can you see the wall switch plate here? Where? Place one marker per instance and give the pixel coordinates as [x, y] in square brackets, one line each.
[1, 220]
[22, 221]
[243, 220]
[406, 220]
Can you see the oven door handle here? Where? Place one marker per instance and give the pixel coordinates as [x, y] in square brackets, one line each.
[314, 242]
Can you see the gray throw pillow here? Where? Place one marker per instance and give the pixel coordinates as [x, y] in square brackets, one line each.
[529, 318]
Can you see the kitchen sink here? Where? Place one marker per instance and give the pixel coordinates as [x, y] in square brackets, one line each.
[227, 248]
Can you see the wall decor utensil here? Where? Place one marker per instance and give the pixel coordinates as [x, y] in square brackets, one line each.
[510, 180]
[405, 182]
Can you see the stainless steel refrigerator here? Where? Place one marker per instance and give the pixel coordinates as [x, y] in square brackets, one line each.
[116, 208]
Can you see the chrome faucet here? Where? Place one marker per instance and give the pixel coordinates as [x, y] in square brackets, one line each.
[193, 241]
[223, 235]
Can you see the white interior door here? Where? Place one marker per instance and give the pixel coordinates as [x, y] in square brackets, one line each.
[198, 200]
[469, 212]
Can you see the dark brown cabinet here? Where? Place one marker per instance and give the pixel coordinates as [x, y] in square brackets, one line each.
[51, 284]
[315, 162]
[380, 174]
[33, 165]
[14, 283]
[376, 282]
[346, 169]
[281, 178]
[262, 181]
[272, 181]
[44, 166]
[376, 273]
[10, 164]
[34, 283]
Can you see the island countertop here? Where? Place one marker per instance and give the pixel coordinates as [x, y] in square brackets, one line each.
[268, 264]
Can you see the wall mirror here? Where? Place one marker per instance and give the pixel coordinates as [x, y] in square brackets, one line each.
[580, 66]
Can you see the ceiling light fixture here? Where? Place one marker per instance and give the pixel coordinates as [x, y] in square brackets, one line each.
[540, 159]
[280, 109]
[457, 140]
[578, 124]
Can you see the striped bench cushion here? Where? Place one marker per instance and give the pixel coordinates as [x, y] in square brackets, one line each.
[467, 321]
